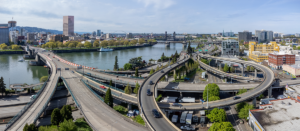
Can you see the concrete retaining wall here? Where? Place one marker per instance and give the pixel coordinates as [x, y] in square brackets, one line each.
[12, 52]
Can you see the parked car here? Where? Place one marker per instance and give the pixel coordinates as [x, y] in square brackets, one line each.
[149, 93]
[155, 113]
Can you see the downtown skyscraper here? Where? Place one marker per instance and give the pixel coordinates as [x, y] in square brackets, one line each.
[68, 25]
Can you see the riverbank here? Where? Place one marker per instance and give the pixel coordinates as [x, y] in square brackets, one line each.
[97, 49]
[12, 52]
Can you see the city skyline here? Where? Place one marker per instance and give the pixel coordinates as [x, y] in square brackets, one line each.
[156, 16]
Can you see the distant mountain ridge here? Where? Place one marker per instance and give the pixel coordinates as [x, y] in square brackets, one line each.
[36, 29]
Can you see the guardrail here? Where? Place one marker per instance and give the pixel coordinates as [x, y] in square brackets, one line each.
[112, 73]
[25, 108]
[106, 78]
[46, 104]
[77, 103]
[140, 104]
[105, 84]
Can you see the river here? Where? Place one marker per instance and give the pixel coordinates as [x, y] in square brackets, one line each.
[21, 72]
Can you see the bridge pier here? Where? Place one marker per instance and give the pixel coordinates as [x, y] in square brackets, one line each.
[242, 69]
[254, 102]
[255, 73]
[166, 76]
[270, 92]
[129, 106]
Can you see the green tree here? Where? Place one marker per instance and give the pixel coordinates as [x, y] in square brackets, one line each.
[151, 71]
[226, 68]
[260, 96]
[162, 57]
[213, 92]
[104, 43]
[71, 45]
[244, 112]
[217, 115]
[87, 44]
[65, 113]
[55, 117]
[222, 126]
[96, 43]
[252, 68]
[15, 47]
[157, 68]
[136, 72]
[232, 69]
[241, 91]
[204, 61]
[126, 42]
[248, 68]
[179, 75]
[30, 127]
[136, 89]
[25, 128]
[110, 82]
[43, 78]
[116, 66]
[3, 46]
[175, 76]
[128, 89]
[79, 45]
[127, 66]
[2, 85]
[142, 41]
[108, 98]
[120, 109]
[67, 125]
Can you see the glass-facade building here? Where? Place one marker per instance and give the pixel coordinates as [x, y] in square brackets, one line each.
[4, 34]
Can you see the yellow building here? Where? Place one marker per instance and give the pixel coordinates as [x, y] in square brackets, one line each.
[260, 52]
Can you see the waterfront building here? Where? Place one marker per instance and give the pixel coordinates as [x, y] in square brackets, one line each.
[230, 47]
[4, 33]
[277, 59]
[129, 36]
[297, 35]
[228, 34]
[260, 52]
[276, 115]
[108, 36]
[68, 25]
[60, 38]
[264, 36]
[246, 36]
[30, 37]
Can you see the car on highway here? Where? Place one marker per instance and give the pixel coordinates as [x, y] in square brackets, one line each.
[155, 113]
[236, 97]
[162, 71]
[53, 57]
[149, 93]
[176, 104]
[151, 82]
[58, 60]
[293, 78]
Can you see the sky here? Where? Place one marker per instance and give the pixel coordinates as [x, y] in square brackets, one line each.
[157, 16]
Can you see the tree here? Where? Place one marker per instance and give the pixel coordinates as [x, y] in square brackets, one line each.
[66, 113]
[96, 43]
[60, 45]
[55, 117]
[179, 75]
[241, 91]
[108, 98]
[43, 78]
[111, 42]
[157, 68]
[252, 68]
[248, 68]
[30, 127]
[3, 46]
[126, 42]
[71, 45]
[204, 61]
[67, 125]
[217, 115]
[136, 89]
[104, 43]
[25, 128]
[127, 66]
[128, 89]
[116, 66]
[151, 71]
[244, 112]
[142, 41]
[232, 69]
[15, 47]
[175, 76]
[226, 68]
[79, 45]
[213, 92]
[222, 126]
[2, 85]
[163, 56]
[189, 49]
[110, 82]
[136, 72]
[87, 44]
[136, 62]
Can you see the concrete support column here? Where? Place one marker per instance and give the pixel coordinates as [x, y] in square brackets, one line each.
[242, 69]
[255, 73]
[254, 102]
[225, 80]
[181, 94]
[270, 92]
[220, 66]
[166, 76]
[129, 106]
[174, 71]
[155, 91]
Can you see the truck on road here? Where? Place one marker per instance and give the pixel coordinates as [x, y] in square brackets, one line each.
[187, 100]
[174, 118]
[183, 116]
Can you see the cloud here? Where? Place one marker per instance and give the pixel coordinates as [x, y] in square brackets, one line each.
[44, 14]
[5, 11]
[159, 4]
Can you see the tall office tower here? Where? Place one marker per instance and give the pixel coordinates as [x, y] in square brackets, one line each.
[174, 35]
[98, 32]
[22, 32]
[264, 36]
[30, 37]
[94, 33]
[246, 36]
[68, 25]
[4, 33]
[129, 36]
[275, 35]
[12, 24]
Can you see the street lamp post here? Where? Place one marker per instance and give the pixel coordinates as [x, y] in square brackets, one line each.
[207, 99]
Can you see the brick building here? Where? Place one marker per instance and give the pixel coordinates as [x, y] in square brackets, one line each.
[60, 38]
[276, 60]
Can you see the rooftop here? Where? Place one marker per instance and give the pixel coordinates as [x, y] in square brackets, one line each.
[283, 116]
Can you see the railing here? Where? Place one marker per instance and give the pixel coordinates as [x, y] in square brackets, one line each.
[77, 103]
[25, 108]
[93, 90]
[112, 73]
[46, 104]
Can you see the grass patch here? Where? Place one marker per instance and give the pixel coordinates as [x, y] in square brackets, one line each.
[48, 128]
[122, 110]
[139, 120]
[82, 125]
[11, 50]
